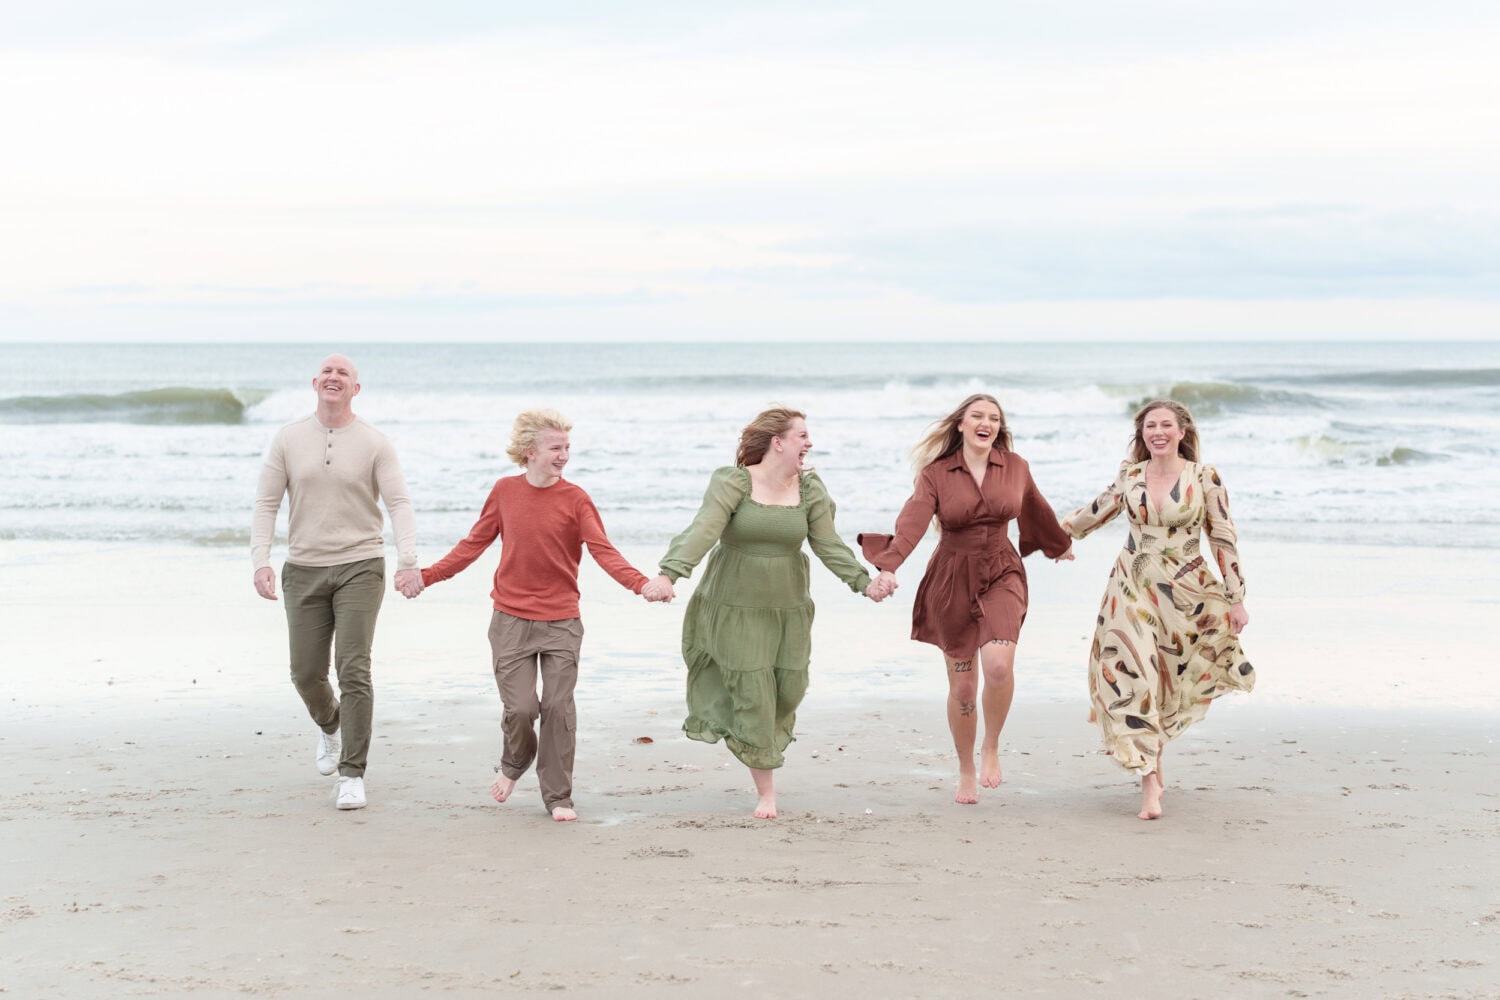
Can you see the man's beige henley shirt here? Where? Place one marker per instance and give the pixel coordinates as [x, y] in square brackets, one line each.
[333, 477]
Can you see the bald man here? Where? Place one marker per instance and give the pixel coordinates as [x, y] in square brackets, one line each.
[334, 468]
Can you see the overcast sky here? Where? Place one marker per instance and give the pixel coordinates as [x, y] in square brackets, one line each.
[813, 170]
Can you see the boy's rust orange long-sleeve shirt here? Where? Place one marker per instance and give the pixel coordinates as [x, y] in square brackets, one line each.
[542, 532]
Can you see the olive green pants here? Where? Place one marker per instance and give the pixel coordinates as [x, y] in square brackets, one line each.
[335, 607]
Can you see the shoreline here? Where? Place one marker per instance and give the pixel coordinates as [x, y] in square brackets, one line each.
[1352, 627]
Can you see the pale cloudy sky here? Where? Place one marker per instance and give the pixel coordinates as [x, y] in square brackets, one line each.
[808, 171]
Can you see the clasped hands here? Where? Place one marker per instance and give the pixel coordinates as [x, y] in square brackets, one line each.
[658, 590]
[883, 586]
[409, 582]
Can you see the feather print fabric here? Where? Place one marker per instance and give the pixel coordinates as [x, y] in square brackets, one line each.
[1162, 649]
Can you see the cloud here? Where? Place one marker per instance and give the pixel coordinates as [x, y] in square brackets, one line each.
[660, 157]
[1309, 252]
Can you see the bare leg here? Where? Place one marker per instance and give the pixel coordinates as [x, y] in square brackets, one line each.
[1150, 797]
[766, 789]
[963, 692]
[502, 786]
[562, 814]
[1161, 775]
[997, 658]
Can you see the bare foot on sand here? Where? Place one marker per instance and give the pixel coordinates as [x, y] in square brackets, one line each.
[1150, 797]
[562, 814]
[502, 787]
[765, 789]
[968, 791]
[989, 768]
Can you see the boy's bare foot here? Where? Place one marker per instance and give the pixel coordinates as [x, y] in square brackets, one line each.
[502, 787]
[562, 814]
[1150, 797]
[766, 807]
[989, 768]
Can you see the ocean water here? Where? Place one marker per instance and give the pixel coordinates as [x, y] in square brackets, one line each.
[1384, 443]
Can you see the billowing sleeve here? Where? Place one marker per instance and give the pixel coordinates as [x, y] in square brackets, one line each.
[480, 537]
[888, 552]
[393, 494]
[1038, 526]
[1221, 536]
[591, 529]
[824, 537]
[726, 488]
[1105, 507]
[268, 494]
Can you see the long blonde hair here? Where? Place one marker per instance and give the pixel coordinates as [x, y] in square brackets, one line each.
[528, 425]
[1187, 447]
[755, 439]
[945, 438]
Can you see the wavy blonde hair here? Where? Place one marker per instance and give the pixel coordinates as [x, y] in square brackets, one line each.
[945, 438]
[755, 439]
[1187, 447]
[528, 425]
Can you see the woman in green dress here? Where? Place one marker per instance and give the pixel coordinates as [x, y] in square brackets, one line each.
[747, 633]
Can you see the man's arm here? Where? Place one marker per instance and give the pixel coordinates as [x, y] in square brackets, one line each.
[268, 494]
[393, 494]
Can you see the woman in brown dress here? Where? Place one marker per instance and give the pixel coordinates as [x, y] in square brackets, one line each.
[972, 599]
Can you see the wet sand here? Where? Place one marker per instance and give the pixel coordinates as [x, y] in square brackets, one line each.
[164, 831]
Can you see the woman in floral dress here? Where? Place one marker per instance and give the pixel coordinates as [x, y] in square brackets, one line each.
[747, 633]
[1167, 641]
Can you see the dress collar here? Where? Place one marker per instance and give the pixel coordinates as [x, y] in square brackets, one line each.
[956, 460]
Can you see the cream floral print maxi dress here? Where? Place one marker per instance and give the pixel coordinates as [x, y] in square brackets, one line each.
[1163, 649]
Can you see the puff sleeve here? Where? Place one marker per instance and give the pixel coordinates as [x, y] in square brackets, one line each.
[727, 487]
[824, 539]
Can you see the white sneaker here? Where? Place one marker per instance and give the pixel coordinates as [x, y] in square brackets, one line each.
[349, 793]
[330, 747]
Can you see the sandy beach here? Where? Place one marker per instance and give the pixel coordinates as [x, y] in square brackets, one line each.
[165, 832]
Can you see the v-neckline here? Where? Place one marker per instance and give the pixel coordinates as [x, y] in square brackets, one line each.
[978, 483]
[1146, 485]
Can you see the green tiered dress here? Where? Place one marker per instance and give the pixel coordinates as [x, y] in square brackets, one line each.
[747, 633]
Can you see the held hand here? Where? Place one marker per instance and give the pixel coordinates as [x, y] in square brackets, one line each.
[265, 583]
[883, 586]
[1238, 618]
[659, 590]
[409, 582]
[1066, 556]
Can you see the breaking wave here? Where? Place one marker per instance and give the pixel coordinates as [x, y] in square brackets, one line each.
[172, 405]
